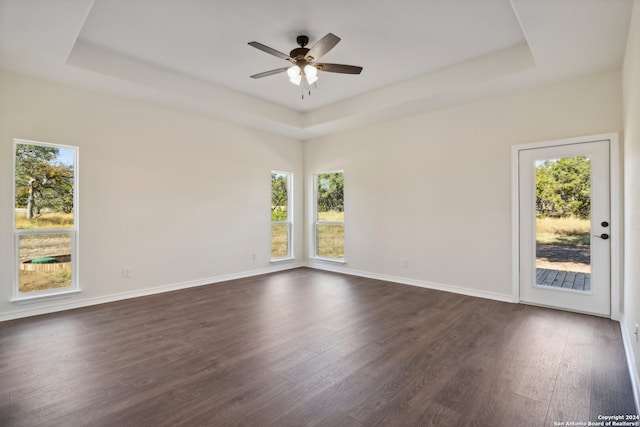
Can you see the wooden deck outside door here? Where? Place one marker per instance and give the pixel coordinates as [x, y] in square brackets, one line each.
[588, 290]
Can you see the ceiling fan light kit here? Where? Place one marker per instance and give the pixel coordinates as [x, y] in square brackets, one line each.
[304, 61]
[296, 73]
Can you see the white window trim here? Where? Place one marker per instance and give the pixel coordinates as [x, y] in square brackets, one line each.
[289, 222]
[24, 297]
[316, 222]
[333, 260]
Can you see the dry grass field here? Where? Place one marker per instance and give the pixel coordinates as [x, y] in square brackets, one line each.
[46, 220]
[563, 244]
[279, 241]
[330, 237]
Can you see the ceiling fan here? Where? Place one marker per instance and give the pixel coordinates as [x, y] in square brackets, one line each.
[305, 68]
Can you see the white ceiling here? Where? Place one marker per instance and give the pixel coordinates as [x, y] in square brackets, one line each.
[417, 54]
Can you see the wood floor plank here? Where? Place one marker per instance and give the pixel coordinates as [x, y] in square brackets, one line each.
[609, 376]
[545, 353]
[308, 347]
[319, 409]
[572, 391]
[431, 414]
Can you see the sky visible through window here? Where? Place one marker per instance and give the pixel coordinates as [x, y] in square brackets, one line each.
[65, 156]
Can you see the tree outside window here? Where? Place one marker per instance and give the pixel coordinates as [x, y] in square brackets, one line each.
[329, 221]
[281, 215]
[45, 218]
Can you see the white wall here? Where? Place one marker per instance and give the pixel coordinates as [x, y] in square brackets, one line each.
[182, 198]
[435, 188]
[631, 91]
[177, 197]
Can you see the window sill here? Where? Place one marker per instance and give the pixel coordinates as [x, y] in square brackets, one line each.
[284, 259]
[334, 260]
[44, 297]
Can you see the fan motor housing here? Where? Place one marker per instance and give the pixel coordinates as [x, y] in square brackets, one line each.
[299, 53]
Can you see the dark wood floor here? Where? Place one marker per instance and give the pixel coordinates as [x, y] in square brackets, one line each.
[306, 347]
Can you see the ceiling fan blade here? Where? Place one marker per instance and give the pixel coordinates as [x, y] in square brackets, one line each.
[339, 68]
[269, 73]
[323, 46]
[270, 50]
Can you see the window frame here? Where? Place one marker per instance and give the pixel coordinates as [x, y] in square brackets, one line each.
[73, 232]
[317, 222]
[289, 221]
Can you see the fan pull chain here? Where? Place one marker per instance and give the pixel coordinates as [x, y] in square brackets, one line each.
[304, 87]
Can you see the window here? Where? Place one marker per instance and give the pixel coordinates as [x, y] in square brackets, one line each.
[329, 215]
[45, 219]
[281, 216]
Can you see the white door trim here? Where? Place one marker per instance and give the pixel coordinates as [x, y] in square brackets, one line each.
[616, 213]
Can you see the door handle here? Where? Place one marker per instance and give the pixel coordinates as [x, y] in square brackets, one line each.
[603, 236]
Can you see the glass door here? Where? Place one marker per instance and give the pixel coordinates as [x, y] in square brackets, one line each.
[564, 226]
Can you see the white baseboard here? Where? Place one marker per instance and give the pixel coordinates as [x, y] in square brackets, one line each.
[70, 303]
[328, 266]
[628, 343]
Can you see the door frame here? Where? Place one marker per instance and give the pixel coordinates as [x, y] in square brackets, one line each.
[615, 209]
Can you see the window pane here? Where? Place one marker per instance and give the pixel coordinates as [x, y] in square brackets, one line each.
[329, 211]
[330, 196]
[44, 177]
[330, 240]
[281, 215]
[279, 196]
[279, 240]
[45, 261]
[331, 216]
[563, 223]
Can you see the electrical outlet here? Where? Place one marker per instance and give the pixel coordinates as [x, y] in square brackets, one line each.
[405, 263]
[127, 272]
[255, 256]
[636, 332]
